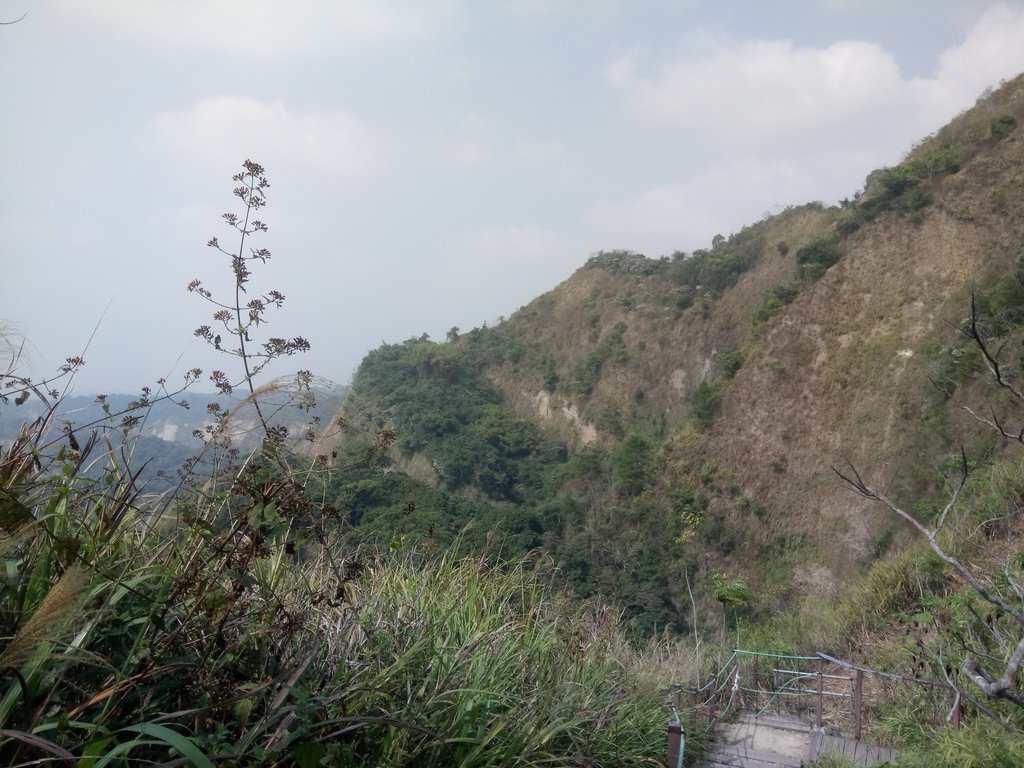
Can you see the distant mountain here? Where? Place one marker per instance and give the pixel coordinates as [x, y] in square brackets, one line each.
[165, 433]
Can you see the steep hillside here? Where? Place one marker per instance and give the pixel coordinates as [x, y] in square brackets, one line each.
[857, 368]
[654, 421]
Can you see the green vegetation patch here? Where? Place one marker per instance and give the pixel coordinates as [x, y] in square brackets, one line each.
[904, 188]
[816, 257]
[711, 271]
[705, 403]
[1002, 125]
[773, 301]
[441, 405]
[625, 263]
[612, 348]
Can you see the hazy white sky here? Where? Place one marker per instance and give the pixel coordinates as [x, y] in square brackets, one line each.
[432, 164]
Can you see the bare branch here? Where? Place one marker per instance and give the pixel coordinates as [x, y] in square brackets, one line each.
[991, 360]
[857, 484]
[996, 426]
[1014, 584]
[962, 694]
[964, 474]
[997, 688]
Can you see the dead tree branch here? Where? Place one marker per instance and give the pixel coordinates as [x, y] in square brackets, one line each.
[999, 374]
[991, 685]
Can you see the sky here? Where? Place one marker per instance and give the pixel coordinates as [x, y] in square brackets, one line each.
[432, 164]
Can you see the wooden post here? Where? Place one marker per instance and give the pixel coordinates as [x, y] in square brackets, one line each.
[820, 697]
[858, 688]
[675, 738]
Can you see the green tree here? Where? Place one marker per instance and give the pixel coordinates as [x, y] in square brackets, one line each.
[632, 463]
[705, 403]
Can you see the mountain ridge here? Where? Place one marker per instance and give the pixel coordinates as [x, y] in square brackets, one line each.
[733, 378]
[655, 421]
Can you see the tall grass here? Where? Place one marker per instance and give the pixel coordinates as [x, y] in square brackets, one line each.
[236, 625]
[464, 664]
[979, 744]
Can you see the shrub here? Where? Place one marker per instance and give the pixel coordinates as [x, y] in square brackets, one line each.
[812, 272]
[849, 223]
[632, 464]
[550, 380]
[625, 263]
[731, 593]
[768, 308]
[1002, 126]
[705, 403]
[776, 299]
[817, 256]
[823, 251]
[729, 362]
[719, 268]
[1001, 307]
[899, 188]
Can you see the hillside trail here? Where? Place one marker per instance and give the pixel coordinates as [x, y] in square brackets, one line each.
[783, 741]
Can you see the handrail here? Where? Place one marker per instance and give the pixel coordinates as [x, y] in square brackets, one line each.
[890, 675]
[772, 655]
[730, 675]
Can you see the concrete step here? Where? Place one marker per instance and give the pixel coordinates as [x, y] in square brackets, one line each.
[751, 758]
[755, 736]
[782, 722]
[760, 741]
[783, 741]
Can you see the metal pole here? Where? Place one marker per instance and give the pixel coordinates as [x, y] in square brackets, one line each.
[820, 697]
[858, 688]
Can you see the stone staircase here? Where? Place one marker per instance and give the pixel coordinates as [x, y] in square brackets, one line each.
[779, 741]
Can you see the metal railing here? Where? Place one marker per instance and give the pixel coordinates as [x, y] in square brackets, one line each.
[819, 688]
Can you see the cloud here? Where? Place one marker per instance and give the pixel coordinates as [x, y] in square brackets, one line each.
[751, 92]
[685, 215]
[504, 267]
[550, 151]
[463, 140]
[824, 115]
[261, 28]
[774, 95]
[992, 51]
[622, 71]
[513, 251]
[462, 153]
[232, 126]
[550, 156]
[666, 213]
